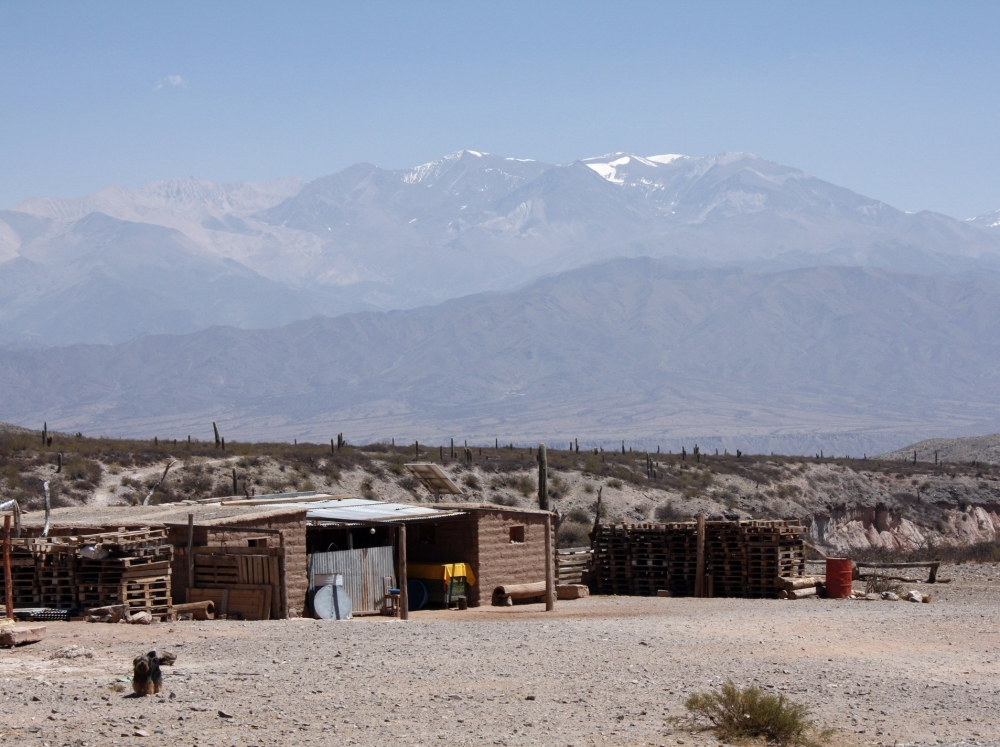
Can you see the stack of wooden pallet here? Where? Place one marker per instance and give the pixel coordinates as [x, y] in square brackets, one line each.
[649, 560]
[682, 543]
[742, 559]
[774, 549]
[130, 568]
[612, 564]
[24, 576]
[725, 558]
[55, 567]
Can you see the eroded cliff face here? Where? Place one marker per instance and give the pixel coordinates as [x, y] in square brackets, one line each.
[858, 527]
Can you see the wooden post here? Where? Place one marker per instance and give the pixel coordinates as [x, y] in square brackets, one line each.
[7, 580]
[699, 565]
[550, 581]
[190, 556]
[404, 597]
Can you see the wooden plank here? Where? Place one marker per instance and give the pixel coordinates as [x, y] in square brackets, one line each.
[227, 550]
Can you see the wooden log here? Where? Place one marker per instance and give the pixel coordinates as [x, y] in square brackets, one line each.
[502, 594]
[791, 583]
[204, 610]
[797, 593]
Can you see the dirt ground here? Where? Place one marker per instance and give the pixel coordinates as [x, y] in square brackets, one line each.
[600, 671]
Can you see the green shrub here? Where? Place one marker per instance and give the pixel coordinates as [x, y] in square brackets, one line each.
[579, 515]
[751, 712]
[471, 481]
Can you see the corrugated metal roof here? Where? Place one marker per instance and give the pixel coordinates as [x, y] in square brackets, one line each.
[361, 509]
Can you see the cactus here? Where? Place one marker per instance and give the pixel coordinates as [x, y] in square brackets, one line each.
[236, 487]
[216, 429]
[543, 473]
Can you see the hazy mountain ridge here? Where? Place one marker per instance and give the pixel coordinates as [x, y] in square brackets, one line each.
[850, 359]
[367, 238]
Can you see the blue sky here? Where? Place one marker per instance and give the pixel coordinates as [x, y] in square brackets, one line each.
[894, 100]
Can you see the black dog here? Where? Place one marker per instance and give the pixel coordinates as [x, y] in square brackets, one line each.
[146, 677]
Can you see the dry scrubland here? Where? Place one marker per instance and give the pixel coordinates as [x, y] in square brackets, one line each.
[953, 502]
[599, 671]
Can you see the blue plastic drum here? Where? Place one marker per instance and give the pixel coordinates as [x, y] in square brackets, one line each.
[417, 592]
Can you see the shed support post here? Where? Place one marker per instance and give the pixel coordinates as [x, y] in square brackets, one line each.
[7, 580]
[550, 582]
[699, 565]
[404, 597]
[190, 568]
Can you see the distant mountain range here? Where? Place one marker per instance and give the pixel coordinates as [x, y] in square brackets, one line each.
[847, 360]
[183, 255]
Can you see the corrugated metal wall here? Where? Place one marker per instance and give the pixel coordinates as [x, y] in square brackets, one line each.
[363, 571]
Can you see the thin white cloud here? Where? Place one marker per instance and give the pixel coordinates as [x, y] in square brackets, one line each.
[171, 80]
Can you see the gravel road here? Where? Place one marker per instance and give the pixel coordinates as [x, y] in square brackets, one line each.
[599, 671]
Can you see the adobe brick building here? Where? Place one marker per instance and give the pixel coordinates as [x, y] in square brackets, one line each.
[210, 521]
[503, 545]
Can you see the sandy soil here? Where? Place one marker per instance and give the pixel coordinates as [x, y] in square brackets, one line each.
[601, 671]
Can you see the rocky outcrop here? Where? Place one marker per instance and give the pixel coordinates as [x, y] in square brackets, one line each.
[857, 527]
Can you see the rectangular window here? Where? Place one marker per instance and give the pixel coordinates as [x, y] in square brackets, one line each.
[517, 533]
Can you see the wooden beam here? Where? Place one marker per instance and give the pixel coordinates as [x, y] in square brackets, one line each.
[550, 583]
[404, 597]
[7, 579]
[223, 527]
[190, 558]
[699, 565]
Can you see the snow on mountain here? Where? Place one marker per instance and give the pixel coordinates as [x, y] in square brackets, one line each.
[472, 221]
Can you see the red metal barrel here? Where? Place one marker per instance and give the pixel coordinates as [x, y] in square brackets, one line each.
[839, 572]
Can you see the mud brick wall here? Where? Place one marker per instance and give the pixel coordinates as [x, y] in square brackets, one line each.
[504, 562]
[296, 581]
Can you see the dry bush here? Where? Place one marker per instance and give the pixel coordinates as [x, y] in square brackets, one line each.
[572, 534]
[525, 486]
[879, 584]
[752, 713]
[579, 515]
[471, 481]
[668, 512]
